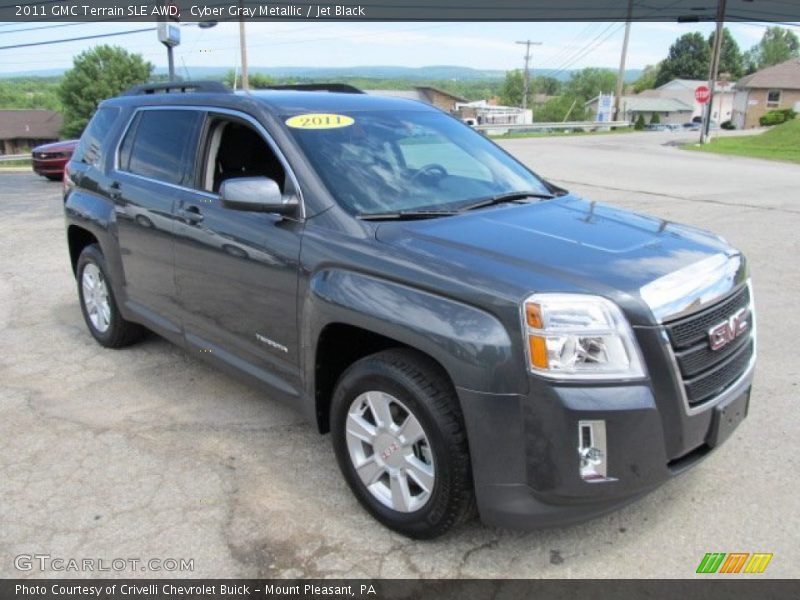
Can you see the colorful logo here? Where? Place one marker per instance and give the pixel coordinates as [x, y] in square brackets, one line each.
[734, 562]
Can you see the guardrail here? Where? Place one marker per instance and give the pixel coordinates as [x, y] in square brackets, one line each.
[498, 129]
[11, 157]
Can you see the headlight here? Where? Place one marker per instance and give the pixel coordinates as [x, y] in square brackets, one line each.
[577, 336]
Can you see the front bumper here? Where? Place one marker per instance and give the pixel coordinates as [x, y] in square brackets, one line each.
[49, 166]
[524, 448]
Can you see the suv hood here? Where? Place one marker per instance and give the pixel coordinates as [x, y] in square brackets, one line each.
[569, 244]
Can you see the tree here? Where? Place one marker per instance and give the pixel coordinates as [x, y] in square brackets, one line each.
[639, 125]
[97, 74]
[655, 119]
[256, 81]
[776, 46]
[731, 60]
[560, 108]
[589, 82]
[513, 86]
[550, 86]
[647, 79]
[689, 58]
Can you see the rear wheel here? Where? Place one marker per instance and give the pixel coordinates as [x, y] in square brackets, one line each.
[400, 443]
[98, 305]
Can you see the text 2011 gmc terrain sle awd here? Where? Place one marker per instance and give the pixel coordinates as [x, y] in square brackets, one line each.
[474, 338]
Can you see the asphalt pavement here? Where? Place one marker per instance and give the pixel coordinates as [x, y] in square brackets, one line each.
[148, 453]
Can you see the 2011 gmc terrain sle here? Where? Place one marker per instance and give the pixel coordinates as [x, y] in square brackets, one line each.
[472, 336]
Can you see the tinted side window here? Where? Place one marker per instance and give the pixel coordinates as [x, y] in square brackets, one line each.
[90, 149]
[161, 145]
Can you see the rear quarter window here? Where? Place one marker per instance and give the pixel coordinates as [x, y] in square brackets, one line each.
[91, 148]
[161, 145]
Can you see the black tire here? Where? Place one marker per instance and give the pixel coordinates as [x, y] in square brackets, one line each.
[54, 177]
[429, 396]
[120, 332]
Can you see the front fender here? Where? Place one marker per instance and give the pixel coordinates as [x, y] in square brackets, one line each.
[471, 344]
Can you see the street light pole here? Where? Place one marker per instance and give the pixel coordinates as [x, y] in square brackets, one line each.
[171, 63]
[713, 71]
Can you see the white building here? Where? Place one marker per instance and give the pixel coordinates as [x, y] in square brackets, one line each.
[683, 90]
[484, 113]
[669, 110]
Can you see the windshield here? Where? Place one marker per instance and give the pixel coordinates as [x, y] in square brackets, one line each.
[391, 161]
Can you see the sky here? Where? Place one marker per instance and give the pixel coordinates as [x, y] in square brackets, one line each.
[478, 45]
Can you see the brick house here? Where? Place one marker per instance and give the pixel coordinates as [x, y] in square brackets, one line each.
[22, 129]
[765, 90]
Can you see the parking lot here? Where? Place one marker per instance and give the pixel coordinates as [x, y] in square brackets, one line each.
[148, 453]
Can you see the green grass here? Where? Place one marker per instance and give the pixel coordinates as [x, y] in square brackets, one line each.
[529, 134]
[782, 142]
[15, 164]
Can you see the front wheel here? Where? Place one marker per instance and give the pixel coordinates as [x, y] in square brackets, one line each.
[399, 439]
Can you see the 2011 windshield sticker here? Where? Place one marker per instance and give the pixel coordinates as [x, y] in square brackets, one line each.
[319, 121]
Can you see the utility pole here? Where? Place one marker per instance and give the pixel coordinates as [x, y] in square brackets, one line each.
[622, 60]
[713, 71]
[243, 49]
[526, 75]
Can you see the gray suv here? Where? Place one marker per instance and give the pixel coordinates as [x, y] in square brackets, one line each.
[475, 338]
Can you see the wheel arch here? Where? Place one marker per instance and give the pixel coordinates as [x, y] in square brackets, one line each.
[352, 315]
[78, 238]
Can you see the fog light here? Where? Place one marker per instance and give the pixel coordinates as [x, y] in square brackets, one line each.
[592, 451]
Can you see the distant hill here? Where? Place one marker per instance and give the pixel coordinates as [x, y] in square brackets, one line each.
[440, 72]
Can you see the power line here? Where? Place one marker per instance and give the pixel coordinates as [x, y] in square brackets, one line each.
[24, 30]
[597, 41]
[77, 39]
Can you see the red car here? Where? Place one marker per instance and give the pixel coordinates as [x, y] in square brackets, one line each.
[49, 159]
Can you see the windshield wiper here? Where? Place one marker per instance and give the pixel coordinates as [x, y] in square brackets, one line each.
[407, 215]
[507, 197]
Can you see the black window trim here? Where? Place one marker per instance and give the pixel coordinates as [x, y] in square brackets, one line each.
[132, 127]
[208, 111]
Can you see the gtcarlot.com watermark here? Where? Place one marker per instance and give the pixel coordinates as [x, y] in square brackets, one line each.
[46, 562]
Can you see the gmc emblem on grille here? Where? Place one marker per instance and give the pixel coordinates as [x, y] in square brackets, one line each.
[724, 333]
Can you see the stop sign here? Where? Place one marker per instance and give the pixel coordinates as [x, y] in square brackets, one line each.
[702, 94]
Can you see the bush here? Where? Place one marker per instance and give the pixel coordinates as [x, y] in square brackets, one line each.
[776, 117]
[728, 125]
[639, 126]
[655, 119]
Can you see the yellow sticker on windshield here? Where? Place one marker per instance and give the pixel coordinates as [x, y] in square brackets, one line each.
[319, 121]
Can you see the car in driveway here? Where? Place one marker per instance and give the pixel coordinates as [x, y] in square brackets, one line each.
[49, 160]
[475, 338]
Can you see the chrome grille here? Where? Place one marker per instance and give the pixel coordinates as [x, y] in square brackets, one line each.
[706, 372]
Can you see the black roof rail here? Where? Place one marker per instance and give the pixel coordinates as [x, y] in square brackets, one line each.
[341, 88]
[214, 87]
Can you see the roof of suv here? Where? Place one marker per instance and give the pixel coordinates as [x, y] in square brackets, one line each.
[293, 101]
[277, 101]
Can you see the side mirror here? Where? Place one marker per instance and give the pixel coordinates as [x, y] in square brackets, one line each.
[256, 194]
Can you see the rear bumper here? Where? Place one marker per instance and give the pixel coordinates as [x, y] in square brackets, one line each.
[524, 448]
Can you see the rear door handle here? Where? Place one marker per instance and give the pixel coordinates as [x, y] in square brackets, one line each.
[191, 214]
[115, 190]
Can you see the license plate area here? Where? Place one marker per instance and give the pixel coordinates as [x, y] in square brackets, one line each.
[727, 417]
